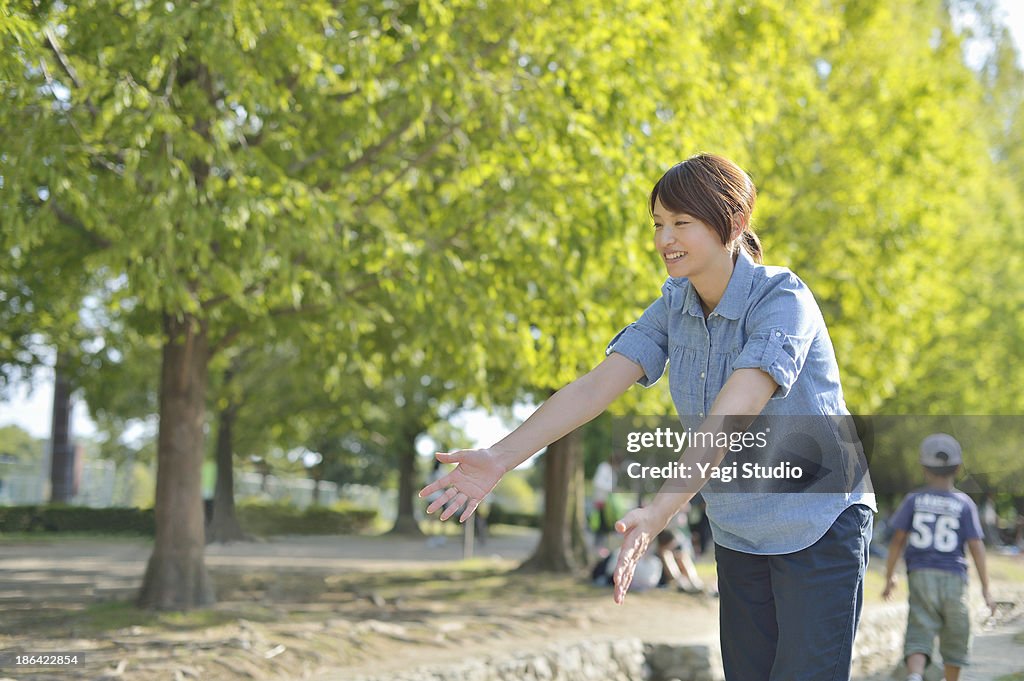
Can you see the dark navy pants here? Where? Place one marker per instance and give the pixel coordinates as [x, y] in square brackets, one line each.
[792, 617]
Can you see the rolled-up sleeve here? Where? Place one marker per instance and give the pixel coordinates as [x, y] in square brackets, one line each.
[781, 328]
[645, 342]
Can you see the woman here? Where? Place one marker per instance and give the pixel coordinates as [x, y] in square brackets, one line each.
[742, 342]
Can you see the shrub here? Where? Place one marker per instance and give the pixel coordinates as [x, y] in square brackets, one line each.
[269, 518]
[499, 516]
[60, 518]
[256, 517]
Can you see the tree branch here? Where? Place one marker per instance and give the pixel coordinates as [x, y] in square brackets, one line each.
[368, 156]
[69, 220]
[96, 156]
[224, 297]
[371, 281]
[51, 42]
[423, 156]
[343, 97]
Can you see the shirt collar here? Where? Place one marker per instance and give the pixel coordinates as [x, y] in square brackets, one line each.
[683, 296]
[734, 301]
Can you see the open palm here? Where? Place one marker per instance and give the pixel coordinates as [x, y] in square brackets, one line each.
[638, 528]
[475, 475]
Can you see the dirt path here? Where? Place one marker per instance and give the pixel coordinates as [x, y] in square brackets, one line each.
[996, 653]
[81, 570]
[336, 605]
[315, 607]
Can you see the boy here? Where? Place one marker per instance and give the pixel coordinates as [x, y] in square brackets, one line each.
[937, 521]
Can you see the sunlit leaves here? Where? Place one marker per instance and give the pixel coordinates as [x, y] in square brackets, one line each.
[459, 188]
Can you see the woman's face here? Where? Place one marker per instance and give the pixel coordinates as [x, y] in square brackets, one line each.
[687, 246]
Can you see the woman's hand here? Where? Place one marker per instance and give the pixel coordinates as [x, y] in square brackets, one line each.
[476, 474]
[639, 527]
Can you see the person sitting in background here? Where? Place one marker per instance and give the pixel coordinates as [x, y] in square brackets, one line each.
[675, 550]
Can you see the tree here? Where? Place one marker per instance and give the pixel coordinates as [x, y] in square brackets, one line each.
[460, 174]
[562, 547]
[61, 453]
[19, 445]
[199, 123]
[223, 525]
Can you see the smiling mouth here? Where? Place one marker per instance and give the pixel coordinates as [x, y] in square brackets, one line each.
[674, 256]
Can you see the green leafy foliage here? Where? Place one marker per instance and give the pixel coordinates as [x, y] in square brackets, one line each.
[78, 519]
[464, 187]
[19, 445]
[391, 210]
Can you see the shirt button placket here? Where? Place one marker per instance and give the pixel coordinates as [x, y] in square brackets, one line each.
[707, 364]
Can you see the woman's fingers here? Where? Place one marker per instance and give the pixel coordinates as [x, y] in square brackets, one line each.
[626, 522]
[440, 484]
[449, 457]
[634, 545]
[470, 509]
[455, 505]
[430, 489]
[624, 569]
[448, 495]
[465, 486]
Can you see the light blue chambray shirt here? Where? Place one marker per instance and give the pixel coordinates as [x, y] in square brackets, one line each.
[767, 319]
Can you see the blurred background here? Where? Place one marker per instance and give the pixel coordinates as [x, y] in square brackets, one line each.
[265, 257]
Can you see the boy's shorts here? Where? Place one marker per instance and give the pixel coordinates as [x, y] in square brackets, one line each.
[938, 607]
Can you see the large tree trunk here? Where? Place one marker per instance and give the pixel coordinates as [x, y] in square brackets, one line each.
[176, 576]
[405, 523]
[562, 546]
[62, 463]
[224, 526]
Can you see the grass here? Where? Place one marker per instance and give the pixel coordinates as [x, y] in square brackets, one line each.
[1001, 570]
[1004, 568]
[470, 580]
[267, 594]
[450, 528]
[358, 617]
[103, 618]
[1016, 676]
[300, 596]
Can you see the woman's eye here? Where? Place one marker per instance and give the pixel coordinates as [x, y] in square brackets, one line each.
[657, 226]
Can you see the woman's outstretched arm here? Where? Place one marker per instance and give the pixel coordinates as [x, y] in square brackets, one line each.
[479, 470]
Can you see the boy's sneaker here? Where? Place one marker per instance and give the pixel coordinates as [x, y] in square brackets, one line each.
[914, 677]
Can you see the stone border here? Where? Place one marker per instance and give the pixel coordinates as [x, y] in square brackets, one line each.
[878, 647]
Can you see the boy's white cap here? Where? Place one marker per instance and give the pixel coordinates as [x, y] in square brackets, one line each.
[939, 450]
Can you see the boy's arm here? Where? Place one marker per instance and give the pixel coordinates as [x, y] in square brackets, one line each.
[896, 546]
[977, 548]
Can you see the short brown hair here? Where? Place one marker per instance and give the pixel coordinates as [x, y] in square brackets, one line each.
[714, 190]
